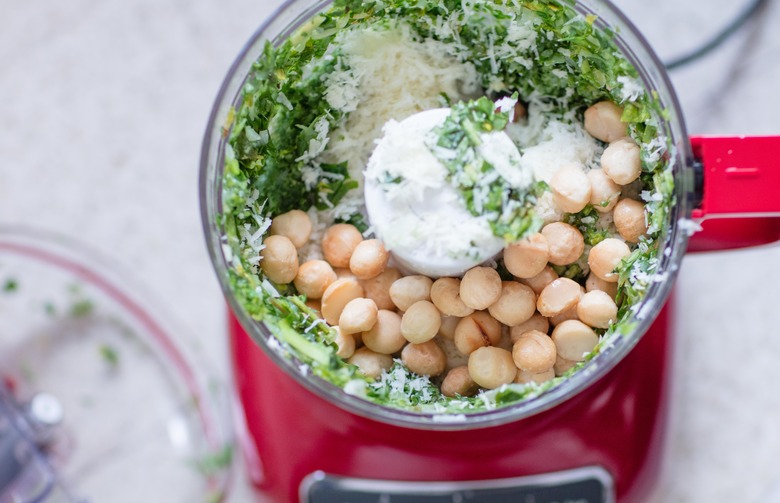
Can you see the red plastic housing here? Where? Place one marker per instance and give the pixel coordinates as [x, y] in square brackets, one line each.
[617, 423]
[740, 204]
[741, 176]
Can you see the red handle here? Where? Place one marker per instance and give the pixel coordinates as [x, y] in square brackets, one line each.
[740, 204]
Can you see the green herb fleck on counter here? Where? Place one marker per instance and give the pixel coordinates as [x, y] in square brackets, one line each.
[110, 355]
[10, 285]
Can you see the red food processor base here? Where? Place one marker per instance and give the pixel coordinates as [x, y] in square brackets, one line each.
[603, 444]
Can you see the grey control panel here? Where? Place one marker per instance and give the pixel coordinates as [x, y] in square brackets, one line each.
[581, 485]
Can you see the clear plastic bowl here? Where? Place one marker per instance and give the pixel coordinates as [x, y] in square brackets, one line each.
[143, 417]
[635, 48]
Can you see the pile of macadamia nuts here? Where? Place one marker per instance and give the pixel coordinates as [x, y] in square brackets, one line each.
[478, 331]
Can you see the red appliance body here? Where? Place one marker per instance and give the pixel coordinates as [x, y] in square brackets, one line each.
[617, 423]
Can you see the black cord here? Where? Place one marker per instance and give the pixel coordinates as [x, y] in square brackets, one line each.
[726, 33]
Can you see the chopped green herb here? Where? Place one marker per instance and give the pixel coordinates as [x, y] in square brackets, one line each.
[215, 462]
[109, 355]
[215, 496]
[10, 285]
[81, 308]
[587, 222]
[484, 191]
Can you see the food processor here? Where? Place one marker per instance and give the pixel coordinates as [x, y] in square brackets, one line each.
[597, 437]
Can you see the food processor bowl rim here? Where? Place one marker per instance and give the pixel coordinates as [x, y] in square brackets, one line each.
[162, 331]
[610, 356]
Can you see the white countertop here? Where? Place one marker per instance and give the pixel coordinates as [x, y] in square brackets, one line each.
[102, 110]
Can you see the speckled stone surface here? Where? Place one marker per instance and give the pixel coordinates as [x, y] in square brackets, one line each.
[102, 110]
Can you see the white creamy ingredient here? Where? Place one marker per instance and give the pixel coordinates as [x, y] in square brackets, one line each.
[379, 76]
[421, 219]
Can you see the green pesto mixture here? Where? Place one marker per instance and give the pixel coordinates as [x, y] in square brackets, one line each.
[284, 119]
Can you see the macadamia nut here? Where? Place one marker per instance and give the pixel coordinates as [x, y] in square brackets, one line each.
[426, 358]
[571, 189]
[410, 289]
[604, 192]
[491, 367]
[337, 296]
[516, 304]
[605, 257]
[313, 278]
[345, 344]
[534, 352]
[536, 322]
[597, 309]
[295, 225]
[445, 295]
[524, 377]
[279, 259]
[358, 315]
[475, 331]
[448, 324]
[602, 121]
[565, 242]
[574, 339]
[378, 288]
[458, 382]
[421, 322]
[385, 336]
[338, 243]
[368, 259]
[595, 283]
[558, 296]
[541, 280]
[621, 162]
[528, 257]
[480, 287]
[630, 220]
[370, 363]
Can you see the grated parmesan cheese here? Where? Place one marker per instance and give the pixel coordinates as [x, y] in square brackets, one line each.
[631, 88]
[380, 75]
[355, 387]
[688, 226]
[547, 210]
[560, 144]
[389, 75]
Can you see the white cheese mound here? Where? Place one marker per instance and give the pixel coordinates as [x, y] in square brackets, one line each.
[419, 216]
[403, 152]
[388, 75]
[379, 75]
